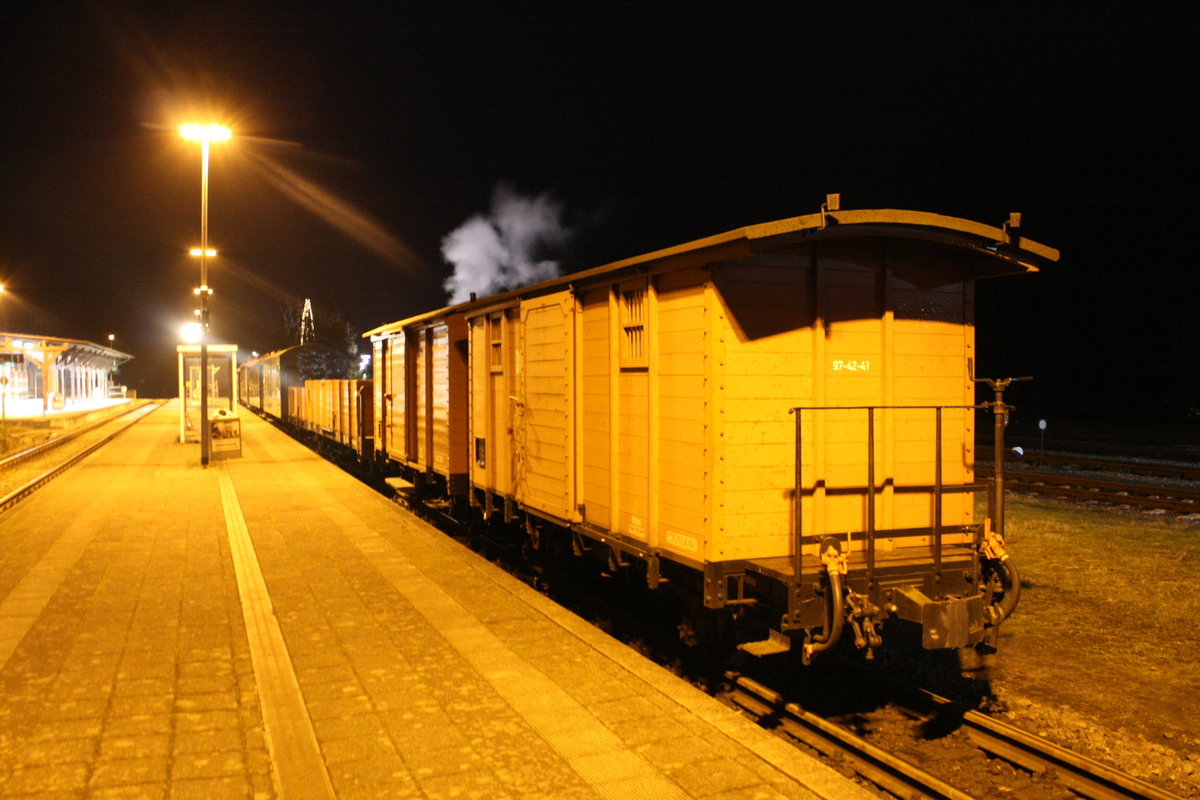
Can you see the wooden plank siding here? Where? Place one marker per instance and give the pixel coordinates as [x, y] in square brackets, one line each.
[483, 453]
[397, 407]
[439, 400]
[379, 391]
[418, 368]
[766, 368]
[596, 366]
[545, 458]
[824, 331]
[683, 446]
[494, 402]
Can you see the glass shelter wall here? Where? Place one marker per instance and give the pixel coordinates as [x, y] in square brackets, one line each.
[222, 386]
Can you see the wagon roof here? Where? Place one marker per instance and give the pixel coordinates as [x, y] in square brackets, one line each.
[1004, 244]
[271, 355]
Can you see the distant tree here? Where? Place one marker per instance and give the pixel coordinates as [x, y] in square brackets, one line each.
[333, 349]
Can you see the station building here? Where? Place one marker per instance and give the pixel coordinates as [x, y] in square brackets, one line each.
[42, 374]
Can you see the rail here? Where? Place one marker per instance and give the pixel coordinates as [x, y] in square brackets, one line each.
[1125, 493]
[1082, 775]
[1158, 468]
[889, 772]
[58, 441]
[23, 491]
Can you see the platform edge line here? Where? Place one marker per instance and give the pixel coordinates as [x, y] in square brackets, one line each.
[297, 765]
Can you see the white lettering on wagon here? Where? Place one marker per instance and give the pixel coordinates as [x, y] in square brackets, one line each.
[683, 541]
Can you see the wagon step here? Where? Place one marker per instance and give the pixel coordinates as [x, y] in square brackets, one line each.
[398, 484]
[775, 642]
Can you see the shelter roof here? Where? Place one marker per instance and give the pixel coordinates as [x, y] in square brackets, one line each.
[61, 351]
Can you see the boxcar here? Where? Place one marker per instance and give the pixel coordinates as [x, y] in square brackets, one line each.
[340, 411]
[781, 416]
[420, 397]
[267, 380]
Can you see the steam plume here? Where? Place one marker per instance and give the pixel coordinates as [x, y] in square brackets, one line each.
[504, 248]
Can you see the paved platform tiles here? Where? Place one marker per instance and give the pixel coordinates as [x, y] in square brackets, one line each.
[269, 627]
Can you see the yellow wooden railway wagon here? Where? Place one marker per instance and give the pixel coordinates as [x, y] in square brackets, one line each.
[358, 416]
[295, 414]
[340, 411]
[322, 408]
[782, 414]
[419, 366]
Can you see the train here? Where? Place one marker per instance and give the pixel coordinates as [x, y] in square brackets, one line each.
[776, 424]
[337, 413]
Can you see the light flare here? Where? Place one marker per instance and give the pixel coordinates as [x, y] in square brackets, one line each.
[205, 133]
[337, 212]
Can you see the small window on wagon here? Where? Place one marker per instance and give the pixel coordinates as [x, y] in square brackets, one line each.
[634, 329]
[495, 342]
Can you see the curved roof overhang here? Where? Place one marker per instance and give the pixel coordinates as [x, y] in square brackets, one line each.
[994, 250]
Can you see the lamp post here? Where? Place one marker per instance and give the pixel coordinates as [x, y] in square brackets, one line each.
[205, 134]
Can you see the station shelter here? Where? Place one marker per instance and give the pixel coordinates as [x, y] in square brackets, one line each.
[40, 374]
[221, 383]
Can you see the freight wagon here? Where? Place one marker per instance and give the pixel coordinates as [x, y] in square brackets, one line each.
[265, 381]
[340, 411]
[778, 421]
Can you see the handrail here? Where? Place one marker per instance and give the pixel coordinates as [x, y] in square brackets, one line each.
[939, 489]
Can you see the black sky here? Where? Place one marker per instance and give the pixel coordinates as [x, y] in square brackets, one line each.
[652, 123]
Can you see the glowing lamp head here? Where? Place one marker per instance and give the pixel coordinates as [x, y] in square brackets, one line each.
[205, 133]
[191, 332]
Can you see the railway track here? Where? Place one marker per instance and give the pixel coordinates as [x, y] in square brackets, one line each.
[1158, 468]
[1115, 492]
[901, 777]
[23, 473]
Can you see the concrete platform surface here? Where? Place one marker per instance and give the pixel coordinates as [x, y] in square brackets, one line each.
[270, 627]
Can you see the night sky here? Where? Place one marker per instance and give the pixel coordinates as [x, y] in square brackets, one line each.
[364, 136]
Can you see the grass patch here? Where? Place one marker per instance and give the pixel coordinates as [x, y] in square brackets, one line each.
[1109, 610]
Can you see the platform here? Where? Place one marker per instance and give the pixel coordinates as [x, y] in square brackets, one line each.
[34, 408]
[269, 627]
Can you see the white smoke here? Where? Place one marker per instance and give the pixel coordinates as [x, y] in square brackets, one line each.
[504, 249]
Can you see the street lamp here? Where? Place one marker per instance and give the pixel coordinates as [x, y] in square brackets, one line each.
[205, 134]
